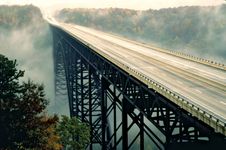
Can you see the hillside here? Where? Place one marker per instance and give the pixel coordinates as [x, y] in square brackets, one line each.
[19, 16]
[25, 36]
[200, 31]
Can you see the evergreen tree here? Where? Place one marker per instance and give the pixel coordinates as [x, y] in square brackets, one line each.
[23, 123]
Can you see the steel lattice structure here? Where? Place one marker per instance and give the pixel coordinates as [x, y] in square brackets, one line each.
[122, 112]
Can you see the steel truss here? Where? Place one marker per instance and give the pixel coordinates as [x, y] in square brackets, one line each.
[122, 112]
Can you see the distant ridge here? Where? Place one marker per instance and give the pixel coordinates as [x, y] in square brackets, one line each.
[199, 31]
[19, 16]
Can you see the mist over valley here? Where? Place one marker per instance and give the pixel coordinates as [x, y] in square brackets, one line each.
[26, 36]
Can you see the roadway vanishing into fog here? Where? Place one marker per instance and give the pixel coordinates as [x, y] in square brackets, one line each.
[200, 84]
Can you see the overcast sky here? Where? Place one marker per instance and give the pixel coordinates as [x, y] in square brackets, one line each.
[132, 4]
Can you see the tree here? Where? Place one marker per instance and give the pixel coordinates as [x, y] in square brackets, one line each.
[23, 123]
[53, 141]
[9, 88]
[74, 134]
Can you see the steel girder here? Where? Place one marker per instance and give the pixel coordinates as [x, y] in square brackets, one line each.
[115, 104]
[83, 87]
[60, 76]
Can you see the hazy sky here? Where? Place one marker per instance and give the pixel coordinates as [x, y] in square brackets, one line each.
[132, 4]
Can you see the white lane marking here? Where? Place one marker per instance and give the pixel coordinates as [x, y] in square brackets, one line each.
[222, 102]
[198, 91]
[179, 82]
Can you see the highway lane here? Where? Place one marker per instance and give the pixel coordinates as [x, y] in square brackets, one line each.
[209, 72]
[201, 84]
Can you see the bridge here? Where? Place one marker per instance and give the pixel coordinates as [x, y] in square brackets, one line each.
[136, 96]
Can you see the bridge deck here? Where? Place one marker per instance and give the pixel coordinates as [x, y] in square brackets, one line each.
[196, 87]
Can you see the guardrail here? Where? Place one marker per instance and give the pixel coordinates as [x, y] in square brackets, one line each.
[216, 122]
[194, 58]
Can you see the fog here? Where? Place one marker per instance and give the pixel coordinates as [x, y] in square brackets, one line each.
[31, 46]
[26, 37]
[32, 56]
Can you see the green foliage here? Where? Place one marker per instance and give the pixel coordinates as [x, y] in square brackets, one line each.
[201, 29]
[8, 79]
[9, 88]
[73, 133]
[23, 124]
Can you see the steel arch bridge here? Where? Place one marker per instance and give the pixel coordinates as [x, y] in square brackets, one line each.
[122, 112]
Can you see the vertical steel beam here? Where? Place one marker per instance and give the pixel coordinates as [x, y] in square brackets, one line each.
[141, 131]
[90, 111]
[115, 117]
[82, 90]
[103, 112]
[76, 85]
[124, 125]
[167, 126]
